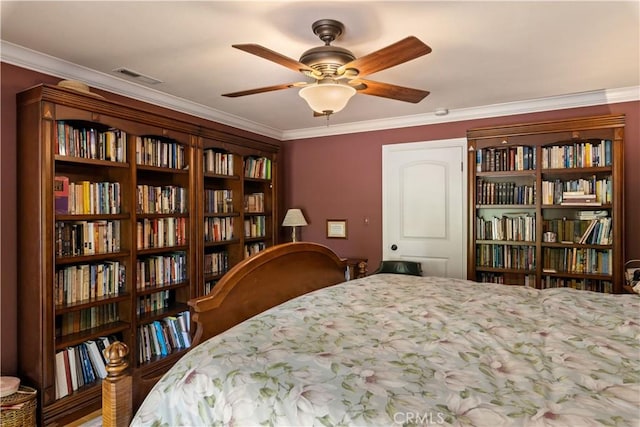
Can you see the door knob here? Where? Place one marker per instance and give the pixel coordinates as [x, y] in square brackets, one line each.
[394, 247]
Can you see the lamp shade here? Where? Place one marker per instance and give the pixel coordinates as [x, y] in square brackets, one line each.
[294, 218]
[327, 97]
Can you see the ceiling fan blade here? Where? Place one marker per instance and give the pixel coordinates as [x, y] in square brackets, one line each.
[386, 90]
[276, 57]
[263, 89]
[387, 57]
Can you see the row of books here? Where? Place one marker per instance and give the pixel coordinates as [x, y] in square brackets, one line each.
[567, 230]
[85, 319]
[153, 302]
[75, 238]
[218, 162]
[583, 154]
[169, 199]
[77, 139]
[218, 229]
[161, 232]
[255, 226]
[80, 365]
[604, 286]
[161, 270]
[218, 201]
[162, 153]
[599, 232]
[85, 197]
[515, 158]
[253, 248]
[84, 282]
[254, 202]
[521, 228]
[577, 260]
[257, 167]
[506, 256]
[216, 262]
[573, 192]
[504, 193]
[527, 280]
[161, 337]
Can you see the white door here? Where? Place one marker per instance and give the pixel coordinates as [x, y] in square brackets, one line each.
[424, 203]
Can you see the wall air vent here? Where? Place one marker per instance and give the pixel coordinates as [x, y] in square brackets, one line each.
[134, 75]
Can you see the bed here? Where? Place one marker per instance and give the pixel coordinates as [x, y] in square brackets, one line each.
[392, 349]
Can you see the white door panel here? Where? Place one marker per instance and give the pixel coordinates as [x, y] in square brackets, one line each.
[424, 197]
[416, 198]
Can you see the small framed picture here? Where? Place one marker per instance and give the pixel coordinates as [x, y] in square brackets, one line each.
[337, 228]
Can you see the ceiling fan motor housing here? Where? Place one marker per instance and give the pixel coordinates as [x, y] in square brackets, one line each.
[327, 59]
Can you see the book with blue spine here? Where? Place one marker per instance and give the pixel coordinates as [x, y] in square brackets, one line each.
[163, 345]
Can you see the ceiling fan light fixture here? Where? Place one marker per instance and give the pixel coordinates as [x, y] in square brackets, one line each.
[327, 97]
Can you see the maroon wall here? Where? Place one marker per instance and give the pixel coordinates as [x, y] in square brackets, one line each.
[14, 80]
[340, 177]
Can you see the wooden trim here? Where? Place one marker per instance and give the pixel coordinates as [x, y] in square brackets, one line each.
[567, 125]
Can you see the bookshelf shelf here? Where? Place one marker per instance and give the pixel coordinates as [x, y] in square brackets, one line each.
[163, 312]
[525, 173]
[221, 176]
[580, 206]
[89, 162]
[65, 260]
[80, 337]
[92, 302]
[569, 172]
[502, 270]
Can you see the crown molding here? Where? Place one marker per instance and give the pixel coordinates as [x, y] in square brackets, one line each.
[40, 62]
[560, 102]
[46, 64]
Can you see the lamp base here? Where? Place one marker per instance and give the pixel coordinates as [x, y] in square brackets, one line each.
[293, 234]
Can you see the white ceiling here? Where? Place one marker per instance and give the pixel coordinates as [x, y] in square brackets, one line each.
[484, 53]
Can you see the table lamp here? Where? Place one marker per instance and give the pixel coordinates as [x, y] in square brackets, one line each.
[294, 218]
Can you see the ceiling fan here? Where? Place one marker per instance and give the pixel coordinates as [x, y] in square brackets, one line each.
[337, 73]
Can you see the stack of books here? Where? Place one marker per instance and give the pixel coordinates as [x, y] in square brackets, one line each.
[587, 215]
[579, 198]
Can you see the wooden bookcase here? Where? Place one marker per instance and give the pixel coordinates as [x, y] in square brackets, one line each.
[126, 252]
[222, 187]
[259, 224]
[238, 214]
[528, 220]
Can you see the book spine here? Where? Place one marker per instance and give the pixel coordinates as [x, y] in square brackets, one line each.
[160, 336]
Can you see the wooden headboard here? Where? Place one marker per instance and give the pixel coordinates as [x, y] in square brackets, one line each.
[269, 278]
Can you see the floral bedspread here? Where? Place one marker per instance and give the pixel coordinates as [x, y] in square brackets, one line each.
[403, 350]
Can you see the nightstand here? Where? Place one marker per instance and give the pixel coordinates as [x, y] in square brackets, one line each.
[356, 268]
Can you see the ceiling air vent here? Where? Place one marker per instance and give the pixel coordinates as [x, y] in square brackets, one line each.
[134, 75]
